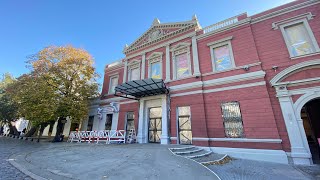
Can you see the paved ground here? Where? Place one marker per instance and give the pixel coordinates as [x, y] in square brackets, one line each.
[149, 161]
[252, 170]
[91, 161]
[7, 148]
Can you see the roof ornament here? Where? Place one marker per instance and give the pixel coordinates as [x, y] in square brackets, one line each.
[194, 17]
[156, 21]
[125, 47]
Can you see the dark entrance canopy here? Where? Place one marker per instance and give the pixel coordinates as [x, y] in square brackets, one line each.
[137, 89]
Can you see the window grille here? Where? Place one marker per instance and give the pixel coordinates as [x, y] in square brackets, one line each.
[232, 119]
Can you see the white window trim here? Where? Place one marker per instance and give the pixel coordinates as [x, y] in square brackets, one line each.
[133, 65]
[155, 58]
[111, 77]
[177, 50]
[310, 33]
[220, 43]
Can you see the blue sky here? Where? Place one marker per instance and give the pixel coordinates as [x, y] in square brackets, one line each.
[102, 27]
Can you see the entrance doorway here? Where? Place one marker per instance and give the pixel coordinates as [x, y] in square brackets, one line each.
[108, 123]
[310, 115]
[155, 124]
[130, 123]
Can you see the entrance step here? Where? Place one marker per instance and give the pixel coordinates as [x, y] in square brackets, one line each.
[201, 155]
[214, 158]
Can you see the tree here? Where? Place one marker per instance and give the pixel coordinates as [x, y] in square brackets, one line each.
[8, 109]
[34, 99]
[70, 73]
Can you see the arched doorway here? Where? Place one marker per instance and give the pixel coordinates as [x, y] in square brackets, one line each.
[310, 115]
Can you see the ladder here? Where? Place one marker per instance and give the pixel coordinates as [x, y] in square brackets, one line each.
[132, 138]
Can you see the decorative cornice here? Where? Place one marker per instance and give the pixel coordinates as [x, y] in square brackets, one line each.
[163, 44]
[307, 16]
[154, 55]
[284, 11]
[180, 46]
[220, 41]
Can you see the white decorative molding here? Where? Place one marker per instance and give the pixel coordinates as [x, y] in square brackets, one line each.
[180, 46]
[195, 57]
[220, 81]
[307, 16]
[231, 69]
[143, 66]
[173, 138]
[125, 70]
[220, 41]
[160, 32]
[261, 83]
[278, 141]
[179, 38]
[283, 74]
[226, 28]
[235, 78]
[220, 89]
[168, 70]
[284, 11]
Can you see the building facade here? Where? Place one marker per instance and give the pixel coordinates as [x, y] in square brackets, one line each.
[248, 86]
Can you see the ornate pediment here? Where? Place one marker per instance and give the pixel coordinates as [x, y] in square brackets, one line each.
[158, 32]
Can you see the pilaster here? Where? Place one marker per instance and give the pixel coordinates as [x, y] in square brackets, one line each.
[196, 68]
[167, 63]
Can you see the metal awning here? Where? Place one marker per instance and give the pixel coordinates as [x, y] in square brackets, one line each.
[141, 88]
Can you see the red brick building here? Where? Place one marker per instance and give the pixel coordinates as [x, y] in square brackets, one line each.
[248, 86]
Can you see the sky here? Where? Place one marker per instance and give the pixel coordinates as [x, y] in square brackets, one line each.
[102, 27]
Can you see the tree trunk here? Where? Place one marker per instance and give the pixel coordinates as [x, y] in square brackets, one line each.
[59, 130]
[31, 131]
[41, 129]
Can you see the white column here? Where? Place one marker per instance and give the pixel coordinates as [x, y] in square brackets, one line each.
[140, 137]
[299, 153]
[164, 135]
[46, 131]
[195, 58]
[102, 122]
[96, 122]
[125, 69]
[167, 63]
[84, 124]
[143, 66]
[67, 126]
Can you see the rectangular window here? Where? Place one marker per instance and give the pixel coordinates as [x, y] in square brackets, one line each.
[182, 65]
[134, 74]
[299, 41]
[232, 119]
[184, 124]
[108, 124]
[90, 123]
[113, 84]
[130, 122]
[155, 70]
[221, 58]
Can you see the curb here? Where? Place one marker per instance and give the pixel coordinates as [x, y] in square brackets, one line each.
[24, 170]
[197, 163]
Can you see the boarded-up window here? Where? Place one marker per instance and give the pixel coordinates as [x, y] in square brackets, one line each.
[222, 59]
[182, 65]
[113, 84]
[299, 40]
[134, 74]
[155, 70]
[232, 119]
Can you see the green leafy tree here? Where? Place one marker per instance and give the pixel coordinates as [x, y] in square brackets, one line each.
[70, 73]
[8, 110]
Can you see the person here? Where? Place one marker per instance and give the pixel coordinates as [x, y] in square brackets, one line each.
[1, 130]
